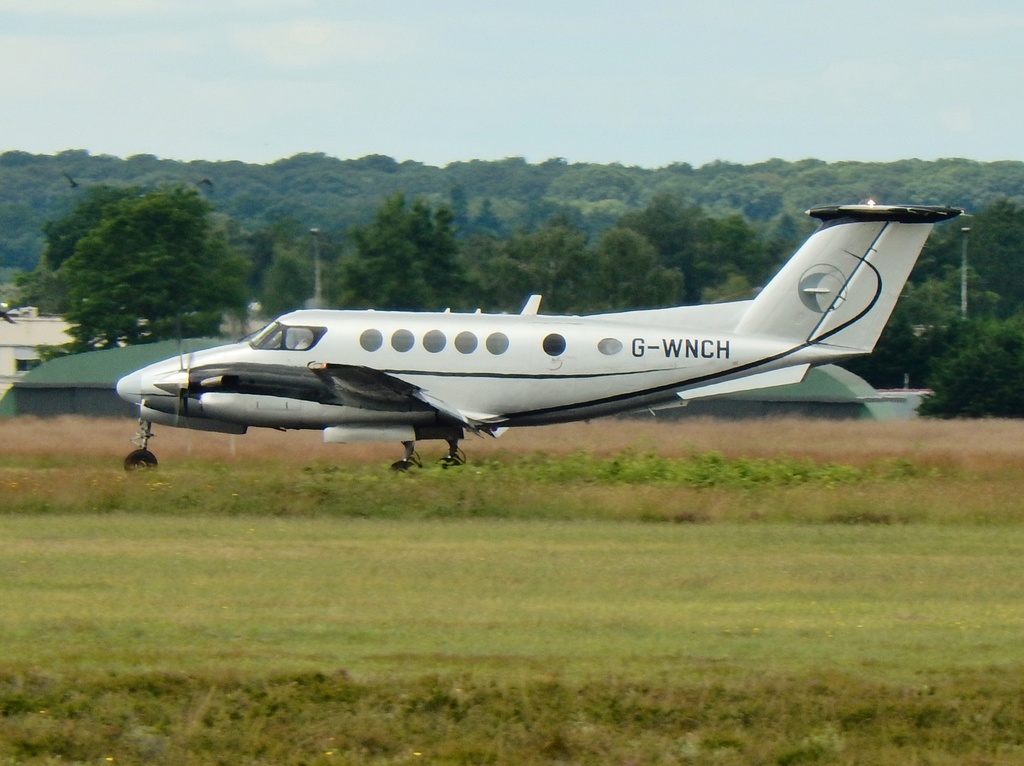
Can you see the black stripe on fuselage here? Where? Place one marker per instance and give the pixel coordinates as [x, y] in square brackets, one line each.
[608, 400]
[650, 392]
[655, 391]
[525, 375]
[663, 389]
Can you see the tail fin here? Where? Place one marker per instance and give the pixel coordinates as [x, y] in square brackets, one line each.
[842, 284]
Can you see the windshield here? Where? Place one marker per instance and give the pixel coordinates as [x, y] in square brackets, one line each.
[287, 337]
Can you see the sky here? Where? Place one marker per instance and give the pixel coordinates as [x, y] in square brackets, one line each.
[644, 82]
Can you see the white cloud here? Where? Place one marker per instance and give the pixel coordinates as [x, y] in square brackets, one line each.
[447, 80]
[312, 43]
[85, 8]
[958, 120]
[42, 67]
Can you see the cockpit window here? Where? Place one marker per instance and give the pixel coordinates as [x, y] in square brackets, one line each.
[287, 337]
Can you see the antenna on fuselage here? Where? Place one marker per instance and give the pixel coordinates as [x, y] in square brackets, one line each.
[532, 307]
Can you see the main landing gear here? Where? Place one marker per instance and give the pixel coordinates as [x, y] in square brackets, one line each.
[141, 457]
[411, 459]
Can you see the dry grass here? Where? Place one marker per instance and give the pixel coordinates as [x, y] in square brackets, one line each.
[967, 444]
[922, 471]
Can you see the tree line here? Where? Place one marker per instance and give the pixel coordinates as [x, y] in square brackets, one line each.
[129, 265]
[499, 198]
[133, 265]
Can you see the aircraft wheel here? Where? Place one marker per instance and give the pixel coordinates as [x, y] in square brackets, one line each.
[140, 458]
[402, 466]
[451, 461]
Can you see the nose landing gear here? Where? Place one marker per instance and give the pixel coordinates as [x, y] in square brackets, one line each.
[141, 457]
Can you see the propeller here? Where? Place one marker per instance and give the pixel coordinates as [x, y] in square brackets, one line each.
[182, 401]
[183, 388]
[184, 366]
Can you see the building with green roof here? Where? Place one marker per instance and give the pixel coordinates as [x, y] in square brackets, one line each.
[83, 384]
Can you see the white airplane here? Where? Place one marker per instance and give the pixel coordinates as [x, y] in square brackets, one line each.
[406, 376]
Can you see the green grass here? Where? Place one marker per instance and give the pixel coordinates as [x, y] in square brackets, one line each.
[624, 486]
[319, 718]
[583, 608]
[575, 600]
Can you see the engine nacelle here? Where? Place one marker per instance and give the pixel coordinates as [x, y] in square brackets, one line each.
[193, 423]
[284, 412]
[267, 411]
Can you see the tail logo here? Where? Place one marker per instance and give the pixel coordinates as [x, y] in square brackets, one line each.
[822, 288]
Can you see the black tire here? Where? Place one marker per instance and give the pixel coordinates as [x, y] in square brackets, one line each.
[402, 466]
[140, 458]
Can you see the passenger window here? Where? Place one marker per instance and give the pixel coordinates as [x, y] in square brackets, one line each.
[609, 346]
[371, 340]
[497, 343]
[554, 344]
[402, 340]
[434, 341]
[466, 342]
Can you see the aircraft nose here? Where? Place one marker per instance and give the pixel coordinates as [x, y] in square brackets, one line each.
[129, 387]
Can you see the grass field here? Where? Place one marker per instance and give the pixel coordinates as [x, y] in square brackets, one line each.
[620, 592]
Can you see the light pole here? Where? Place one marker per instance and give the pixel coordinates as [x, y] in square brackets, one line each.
[965, 231]
[317, 301]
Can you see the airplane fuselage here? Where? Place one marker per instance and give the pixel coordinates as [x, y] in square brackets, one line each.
[381, 375]
[487, 366]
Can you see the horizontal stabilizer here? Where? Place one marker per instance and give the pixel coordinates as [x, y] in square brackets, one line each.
[892, 213]
[785, 377]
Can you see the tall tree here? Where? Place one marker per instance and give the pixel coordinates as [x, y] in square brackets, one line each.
[46, 287]
[288, 281]
[674, 229]
[553, 261]
[152, 268]
[980, 375]
[628, 275]
[995, 246]
[282, 261]
[406, 259]
[728, 248]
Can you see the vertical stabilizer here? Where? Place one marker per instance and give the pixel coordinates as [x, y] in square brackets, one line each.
[841, 286]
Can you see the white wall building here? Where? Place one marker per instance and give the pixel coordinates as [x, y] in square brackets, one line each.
[18, 342]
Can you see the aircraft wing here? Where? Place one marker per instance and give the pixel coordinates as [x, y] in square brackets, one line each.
[340, 384]
[346, 385]
[365, 387]
[380, 390]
